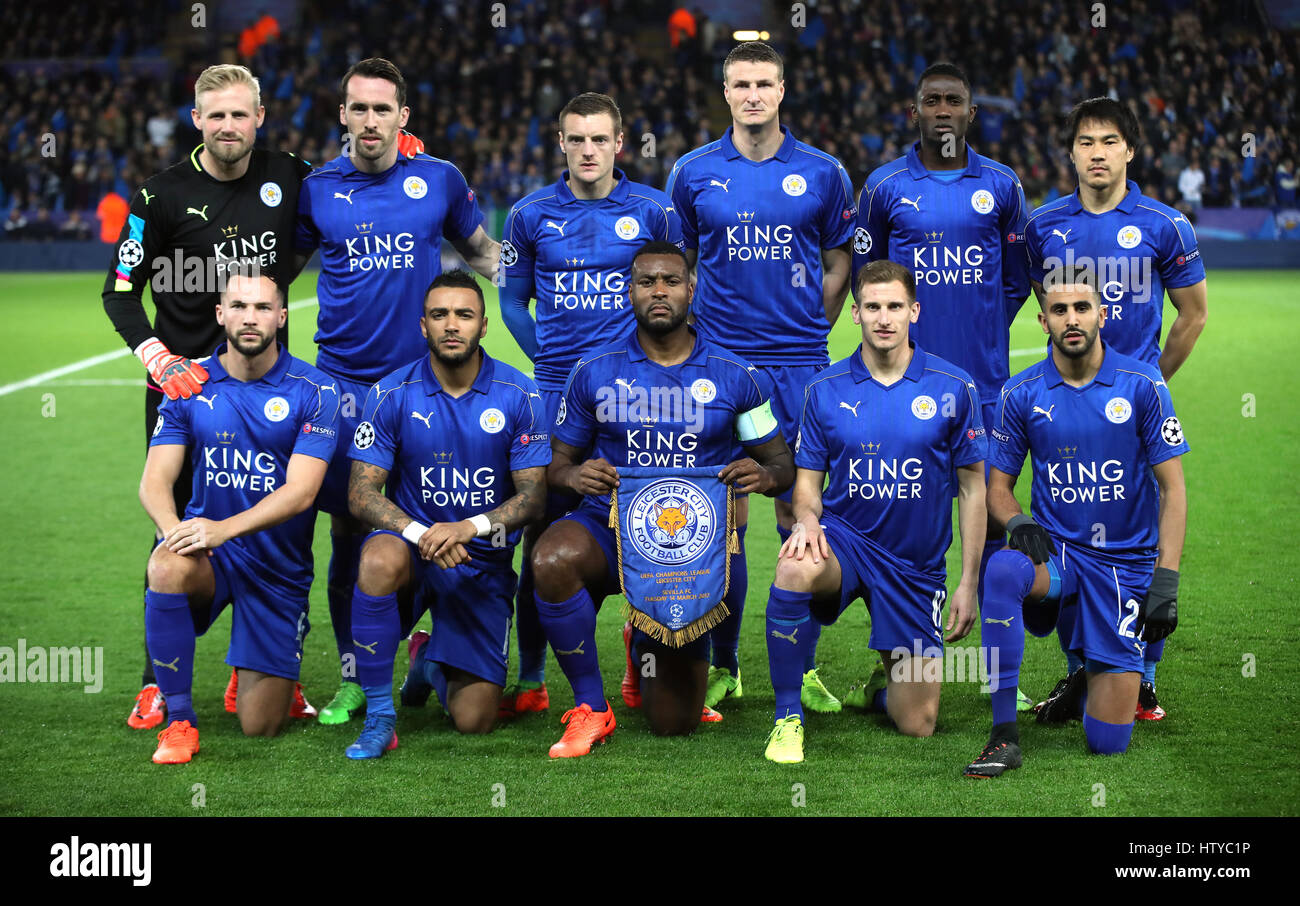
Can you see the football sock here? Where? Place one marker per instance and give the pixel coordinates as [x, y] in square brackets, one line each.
[376, 631]
[1007, 580]
[787, 623]
[725, 637]
[532, 640]
[879, 701]
[571, 628]
[431, 672]
[1104, 738]
[1155, 650]
[345, 560]
[169, 632]
[1007, 732]
[814, 630]
[147, 676]
[991, 547]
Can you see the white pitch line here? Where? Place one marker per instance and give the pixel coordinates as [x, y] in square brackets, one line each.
[1032, 350]
[43, 377]
[96, 382]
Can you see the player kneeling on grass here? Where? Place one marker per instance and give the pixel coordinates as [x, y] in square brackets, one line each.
[663, 397]
[1099, 557]
[259, 439]
[459, 435]
[893, 425]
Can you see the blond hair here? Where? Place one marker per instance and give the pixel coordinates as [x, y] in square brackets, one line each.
[223, 75]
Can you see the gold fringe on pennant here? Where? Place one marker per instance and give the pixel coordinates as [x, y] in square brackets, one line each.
[676, 638]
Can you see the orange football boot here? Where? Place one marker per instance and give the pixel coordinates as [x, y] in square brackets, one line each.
[150, 709]
[631, 676]
[301, 708]
[177, 744]
[585, 729]
[232, 691]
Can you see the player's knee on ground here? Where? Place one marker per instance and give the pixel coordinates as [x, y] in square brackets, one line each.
[263, 703]
[384, 560]
[673, 698]
[918, 720]
[798, 575]
[472, 702]
[913, 704]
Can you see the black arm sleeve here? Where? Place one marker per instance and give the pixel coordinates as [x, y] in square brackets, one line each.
[128, 272]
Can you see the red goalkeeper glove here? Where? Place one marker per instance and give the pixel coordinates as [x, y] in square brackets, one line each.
[175, 375]
[409, 145]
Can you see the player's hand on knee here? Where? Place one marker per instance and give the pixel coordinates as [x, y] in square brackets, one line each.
[961, 615]
[1030, 538]
[175, 375]
[747, 477]
[806, 540]
[442, 537]
[1158, 615]
[594, 477]
[191, 536]
[452, 556]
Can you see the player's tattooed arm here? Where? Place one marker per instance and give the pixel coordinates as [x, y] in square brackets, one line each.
[837, 264]
[481, 252]
[769, 469]
[568, 470]
[366, 498]
[528, 504]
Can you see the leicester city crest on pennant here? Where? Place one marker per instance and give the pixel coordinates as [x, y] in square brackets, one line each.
[671, 521]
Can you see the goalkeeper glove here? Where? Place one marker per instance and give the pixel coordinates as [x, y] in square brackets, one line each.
[1158, 615]
[409, 145]
[1030, 538]
[175, 375]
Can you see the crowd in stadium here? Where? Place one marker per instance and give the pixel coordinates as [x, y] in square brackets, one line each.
[1208, 85]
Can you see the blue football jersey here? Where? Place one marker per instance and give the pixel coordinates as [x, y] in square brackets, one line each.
[241, 435]
[578, 255]
[1092, 449]
[380, 239]
[1137, 250]
[760, 229]
[892, 451]
[963, 241]
[450, 458]
[631, 411]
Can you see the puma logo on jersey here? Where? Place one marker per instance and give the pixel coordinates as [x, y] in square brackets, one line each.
[558, 227]
[1064, 236]
[147, 197]
[853, 408]
[332, 388]
[916, 205]
[1006, 622]
[721, 185]
[789, 638]
[208, 401]
[370, 647]
[172, 666]
[619, 382]
[203, 213]
[1047, 411]
[577, 650]
[347, 197]
[423, 418]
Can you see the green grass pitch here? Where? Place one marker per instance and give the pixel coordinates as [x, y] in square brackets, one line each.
[74, 542]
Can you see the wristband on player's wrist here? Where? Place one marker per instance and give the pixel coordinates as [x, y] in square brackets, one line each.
[1018, 520]
[482, 525]
[414, 531]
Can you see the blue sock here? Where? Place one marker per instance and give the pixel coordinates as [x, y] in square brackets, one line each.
[169, 633]
[814, 636]
[991, 547]
[879, 701]
[787, 624]
[1007, 579]
[571, 628]
[725, 637]
[1104, 738]
[345, 561]
[432, 673]
[376, 631]
[532, 640]
[1155, 651]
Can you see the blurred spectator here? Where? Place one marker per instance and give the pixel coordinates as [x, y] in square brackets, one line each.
[111, 212]
[1190, 183]
[16, 224]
